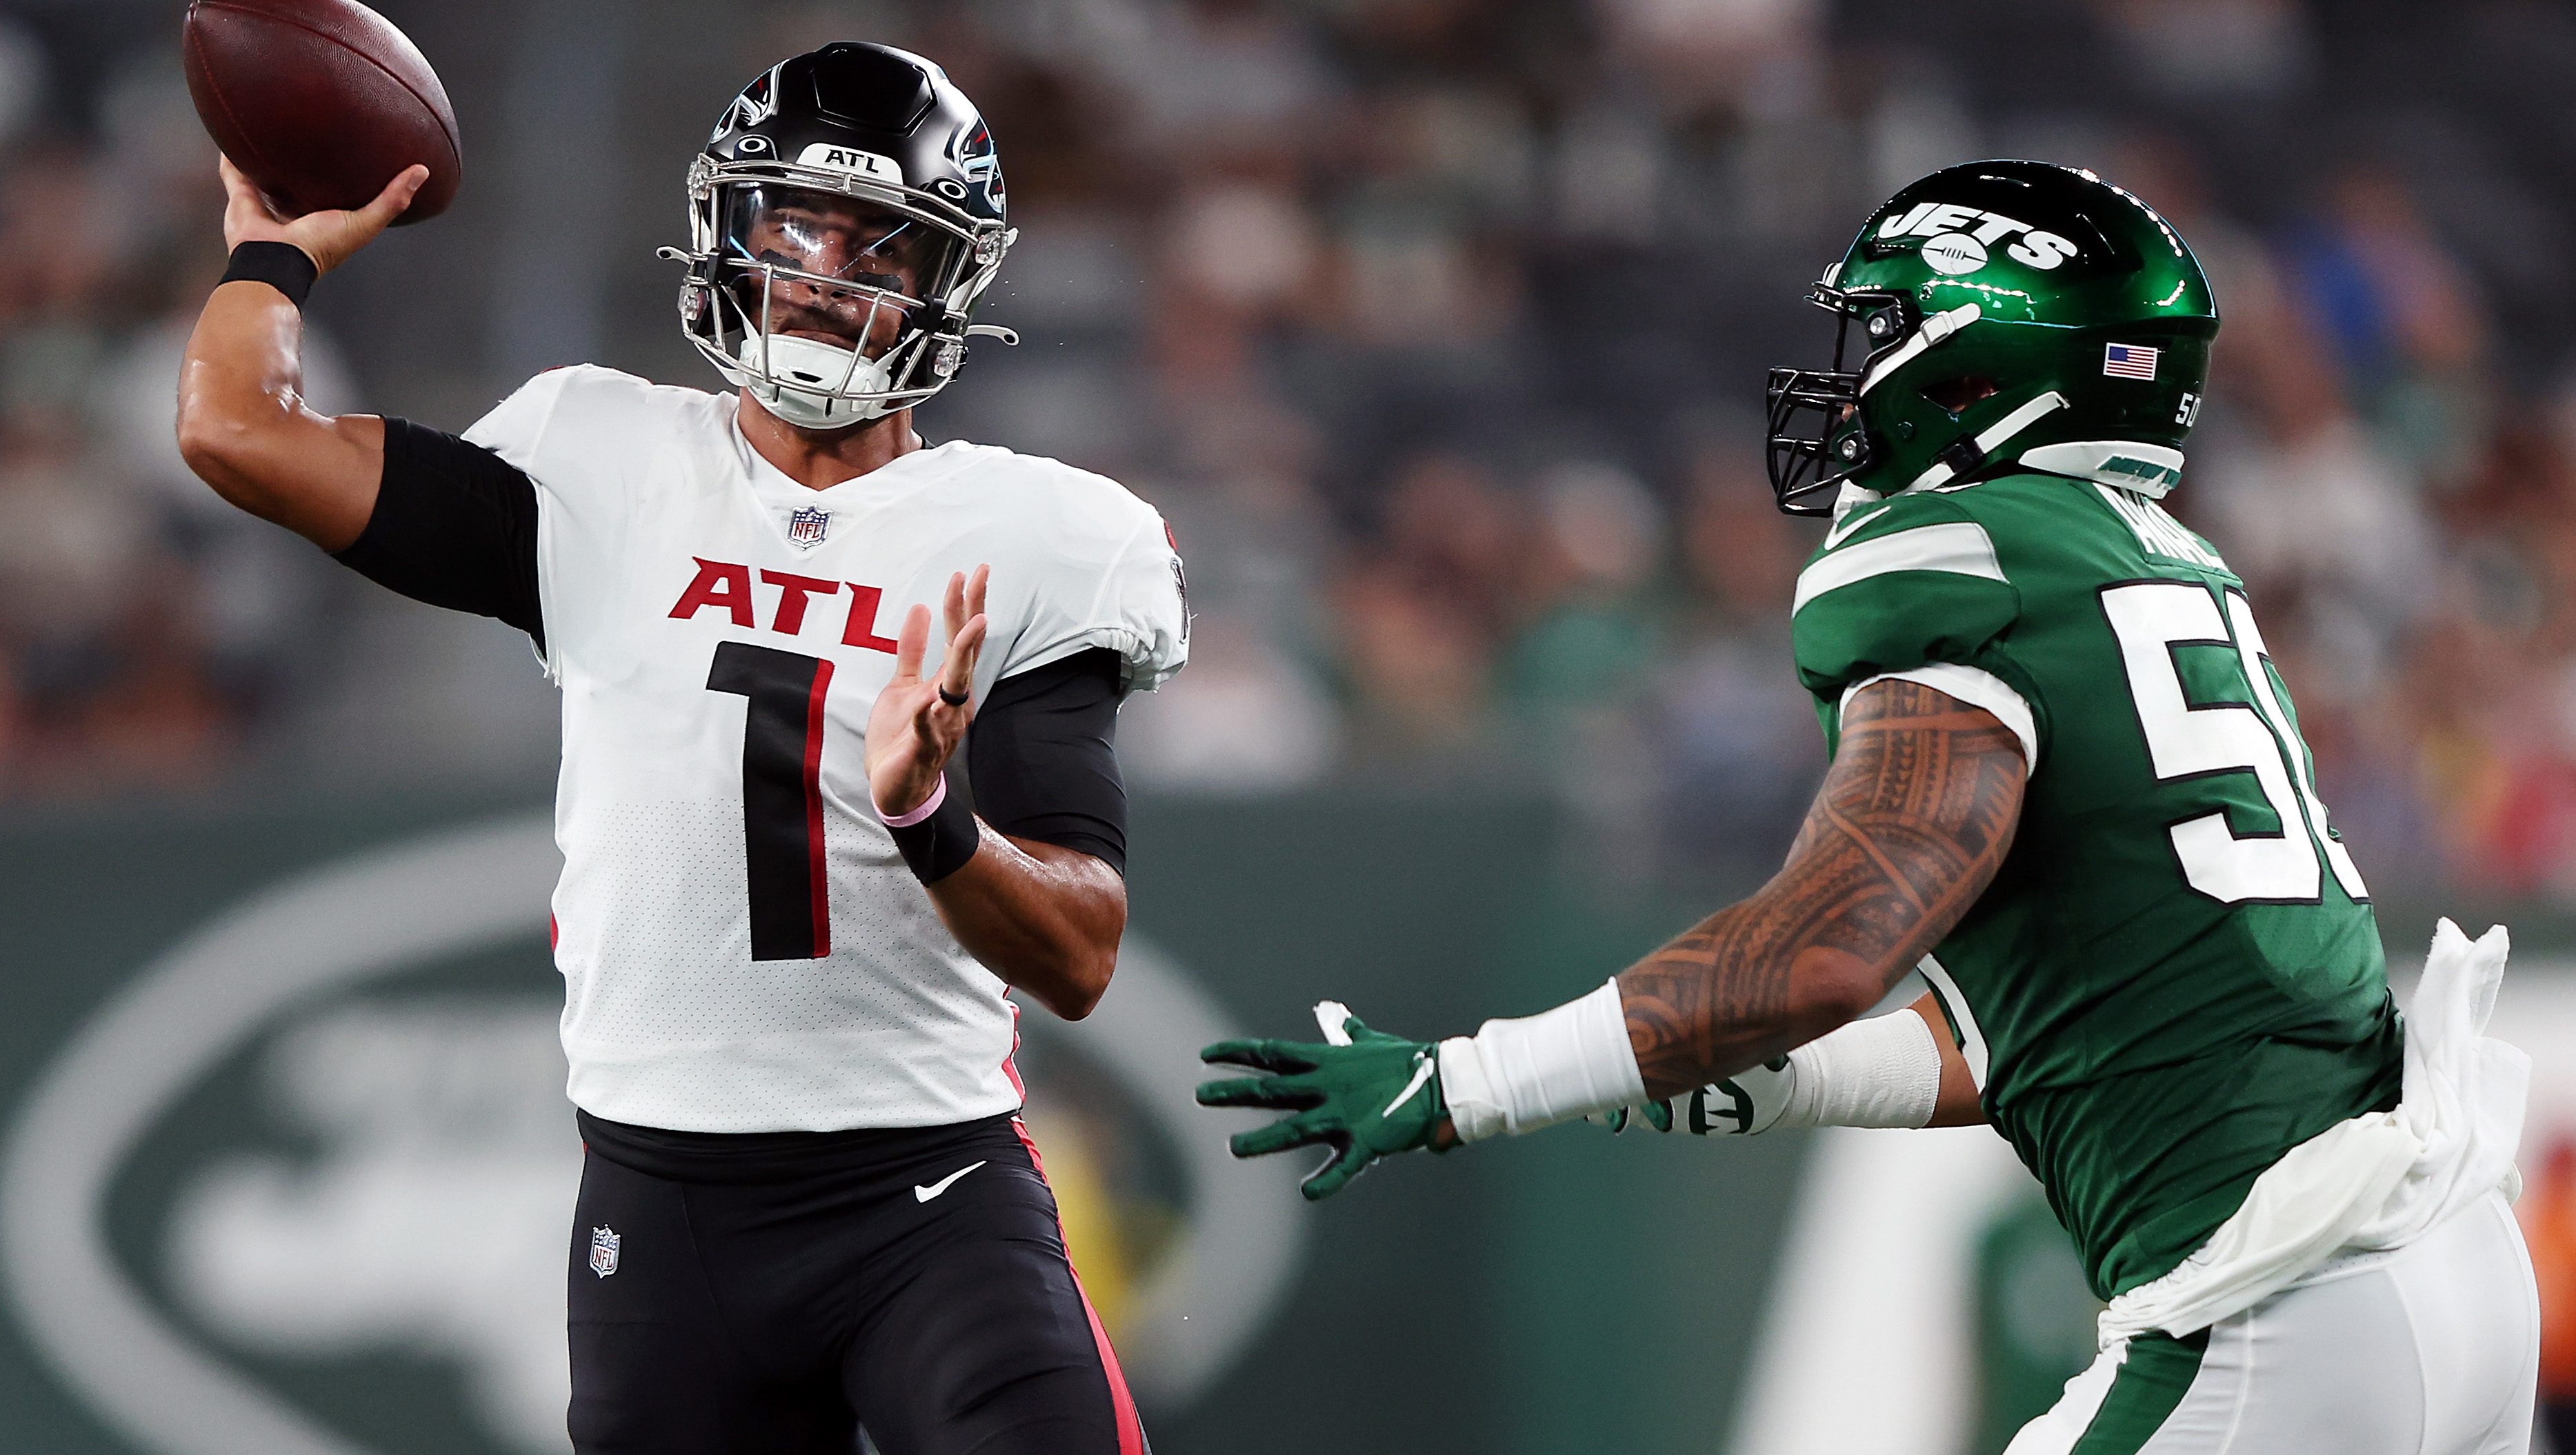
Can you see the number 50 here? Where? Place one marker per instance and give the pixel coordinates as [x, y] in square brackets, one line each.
[2187, 740]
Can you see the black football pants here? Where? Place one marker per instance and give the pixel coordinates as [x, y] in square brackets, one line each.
[932, 1305]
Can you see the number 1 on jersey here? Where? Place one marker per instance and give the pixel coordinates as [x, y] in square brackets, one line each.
[2201, 740]
[782, 795]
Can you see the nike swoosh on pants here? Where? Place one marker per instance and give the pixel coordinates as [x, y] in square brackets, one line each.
[925, 1194]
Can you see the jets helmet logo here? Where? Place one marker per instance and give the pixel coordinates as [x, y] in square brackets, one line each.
[1954, 252]
[603, 1251]
[1957, 238]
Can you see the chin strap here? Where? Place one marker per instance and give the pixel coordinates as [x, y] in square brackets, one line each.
[801, 380]
[1935, 330]
[1968, 452]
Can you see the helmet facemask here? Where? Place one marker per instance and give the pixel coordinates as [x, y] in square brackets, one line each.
[831, 299]
[1810, 458]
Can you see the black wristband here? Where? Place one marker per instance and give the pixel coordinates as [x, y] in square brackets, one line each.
[939, 845]
[282, 266]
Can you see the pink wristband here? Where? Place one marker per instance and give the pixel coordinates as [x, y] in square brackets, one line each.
[928, 806]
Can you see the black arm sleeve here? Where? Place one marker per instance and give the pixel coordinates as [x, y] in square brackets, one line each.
[1040, 758]
[455, 525]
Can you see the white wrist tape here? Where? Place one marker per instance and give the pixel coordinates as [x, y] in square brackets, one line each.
[1519, 1075]
[1884, 1071]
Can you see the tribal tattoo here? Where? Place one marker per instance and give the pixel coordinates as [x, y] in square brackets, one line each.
[1914, 818]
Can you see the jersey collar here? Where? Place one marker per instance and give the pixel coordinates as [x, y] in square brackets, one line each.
[891, 481]
[2139, 468]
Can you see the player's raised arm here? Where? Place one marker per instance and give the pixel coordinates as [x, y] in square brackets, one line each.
[1913, 820]
[243, 424]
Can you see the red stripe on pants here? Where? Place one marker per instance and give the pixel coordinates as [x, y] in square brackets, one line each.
[1131, 1431]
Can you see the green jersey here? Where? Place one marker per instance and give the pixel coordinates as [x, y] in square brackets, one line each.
[2175, 976]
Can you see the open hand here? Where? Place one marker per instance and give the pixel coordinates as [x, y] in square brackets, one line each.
[913, 729]
[1365, 1094]
[328, 238]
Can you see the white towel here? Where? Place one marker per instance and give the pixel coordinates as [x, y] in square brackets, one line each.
[2377, 1181]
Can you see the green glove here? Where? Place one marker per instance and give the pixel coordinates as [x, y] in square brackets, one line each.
[1364, 1093]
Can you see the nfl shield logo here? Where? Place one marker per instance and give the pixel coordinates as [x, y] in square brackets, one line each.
[603, 1251]
[806, 525]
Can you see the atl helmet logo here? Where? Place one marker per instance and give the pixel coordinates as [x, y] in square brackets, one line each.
[827, 156]
[1957, 238]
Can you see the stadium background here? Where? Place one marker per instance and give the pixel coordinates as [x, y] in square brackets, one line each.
[1436, 328]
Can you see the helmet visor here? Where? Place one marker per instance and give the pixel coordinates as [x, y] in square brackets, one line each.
[821, 265]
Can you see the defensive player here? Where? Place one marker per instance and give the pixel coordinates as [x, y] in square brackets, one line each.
[2067, 784]
[808, 1204]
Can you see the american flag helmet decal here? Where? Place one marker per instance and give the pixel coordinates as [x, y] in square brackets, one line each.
[2129, 361]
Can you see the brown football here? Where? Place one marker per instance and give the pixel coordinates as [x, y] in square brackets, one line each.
[320, 102]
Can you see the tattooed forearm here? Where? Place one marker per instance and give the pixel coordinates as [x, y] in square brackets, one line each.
[1913, 820]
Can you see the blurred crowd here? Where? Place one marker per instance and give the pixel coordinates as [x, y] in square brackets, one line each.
[143, 629]
[1437, 329]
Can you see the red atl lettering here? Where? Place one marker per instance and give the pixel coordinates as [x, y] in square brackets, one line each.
[860, 630]
[726, 586]
[792, 591]
[719, 583]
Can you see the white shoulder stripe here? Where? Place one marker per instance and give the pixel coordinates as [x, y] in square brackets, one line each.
[1975, 687]
[1960, 547]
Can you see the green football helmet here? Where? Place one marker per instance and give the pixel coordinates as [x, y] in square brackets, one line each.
[2016, 314]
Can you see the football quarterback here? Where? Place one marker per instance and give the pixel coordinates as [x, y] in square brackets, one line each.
[2068, 786]
[808, 1205]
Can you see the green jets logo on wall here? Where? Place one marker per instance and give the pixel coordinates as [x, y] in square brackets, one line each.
[305, 1186]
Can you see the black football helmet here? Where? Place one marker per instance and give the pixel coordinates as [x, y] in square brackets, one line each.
[844, 218]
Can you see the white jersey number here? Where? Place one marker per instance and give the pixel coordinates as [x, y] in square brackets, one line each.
[2188, 740]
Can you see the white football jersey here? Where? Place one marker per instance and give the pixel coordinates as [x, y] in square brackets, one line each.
[742, 947]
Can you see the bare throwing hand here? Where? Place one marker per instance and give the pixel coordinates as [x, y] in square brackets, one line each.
[326, 237]
[916, 725]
